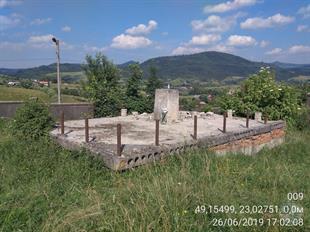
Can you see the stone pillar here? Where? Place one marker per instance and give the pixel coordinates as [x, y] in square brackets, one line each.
[166, 99]
[258, 116]
[229, 113]
[123, 112]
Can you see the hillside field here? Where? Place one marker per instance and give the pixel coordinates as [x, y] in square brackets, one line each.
[44, 187]
[21, 94]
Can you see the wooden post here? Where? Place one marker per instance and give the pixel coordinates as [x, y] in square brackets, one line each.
[247, 119]
[62, 122]
[195, 127]
[86, 130]
[156, 132]
[224, 121]
[119, 139]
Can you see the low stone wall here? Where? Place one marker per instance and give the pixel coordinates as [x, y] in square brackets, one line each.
[72, 111]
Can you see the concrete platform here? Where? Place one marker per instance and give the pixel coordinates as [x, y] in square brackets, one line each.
[138, 136]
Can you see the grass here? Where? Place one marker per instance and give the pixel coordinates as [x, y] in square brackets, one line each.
[46, 188]
[72, 76]
[22, 94]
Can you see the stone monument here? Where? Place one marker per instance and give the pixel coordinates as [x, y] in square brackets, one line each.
[166, 106]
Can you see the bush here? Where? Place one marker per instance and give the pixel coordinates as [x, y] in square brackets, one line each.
[301, 121]
[32, 120]
[261, 93]
[140, 104]
[188, 104]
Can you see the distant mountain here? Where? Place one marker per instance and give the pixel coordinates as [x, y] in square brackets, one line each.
[288, 65]
[201, 66]
[126, 64]
[212, 65]
[41, 71]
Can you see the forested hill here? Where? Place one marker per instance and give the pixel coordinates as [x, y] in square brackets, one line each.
[201, 66]
[214, 65]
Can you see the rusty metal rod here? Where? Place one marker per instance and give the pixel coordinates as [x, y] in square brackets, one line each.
[156, 132]
[62, 122]
[86, 130]
[265, 119]
[119, 139]
[195, 127]
[224, 121]
[247, 119]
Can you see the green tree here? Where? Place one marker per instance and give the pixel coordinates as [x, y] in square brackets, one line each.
[134, 82]
[135, 101]
[262, 93]
[102, 85]
[153, 82]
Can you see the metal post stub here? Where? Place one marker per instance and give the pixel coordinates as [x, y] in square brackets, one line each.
[119, 139]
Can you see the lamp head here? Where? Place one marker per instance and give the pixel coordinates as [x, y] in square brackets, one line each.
[54, 40]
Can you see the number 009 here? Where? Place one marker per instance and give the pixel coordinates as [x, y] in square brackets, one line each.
[295, 196]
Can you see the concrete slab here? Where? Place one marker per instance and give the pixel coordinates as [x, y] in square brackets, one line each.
[138, 136]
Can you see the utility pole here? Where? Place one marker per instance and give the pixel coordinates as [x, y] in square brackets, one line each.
[56, 41]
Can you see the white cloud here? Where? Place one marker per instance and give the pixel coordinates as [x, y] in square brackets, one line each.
[11, 45]
[204, 39]
[182, 50]
[299, 49]
[130, 42]
[215, 23]
[228, 6]
[66, 29]
[272, 21]
[66, 46]
[94, 48]
[302, 28]
[40, 21]
[241, 41]
[264, 43]
[275, 51]
[9, 21]
[6, 3]
[142, 29]
[41, 39]
[221, 48]
[304, 11]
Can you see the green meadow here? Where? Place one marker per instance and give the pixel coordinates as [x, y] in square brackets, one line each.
[44, 187]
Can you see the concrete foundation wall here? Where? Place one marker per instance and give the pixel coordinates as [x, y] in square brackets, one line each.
[252, 145]
[72, 111]
[169, 99]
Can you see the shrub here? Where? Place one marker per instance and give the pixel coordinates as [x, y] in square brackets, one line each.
[140, 104]
[32, 120]
[261, 93]
[188, 104]
[301, 121]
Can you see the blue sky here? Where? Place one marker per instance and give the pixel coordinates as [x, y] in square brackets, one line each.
[260, 30]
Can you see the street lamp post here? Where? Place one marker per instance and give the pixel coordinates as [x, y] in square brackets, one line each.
[56, 41]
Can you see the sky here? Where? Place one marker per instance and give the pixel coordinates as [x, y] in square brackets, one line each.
[124, 30]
